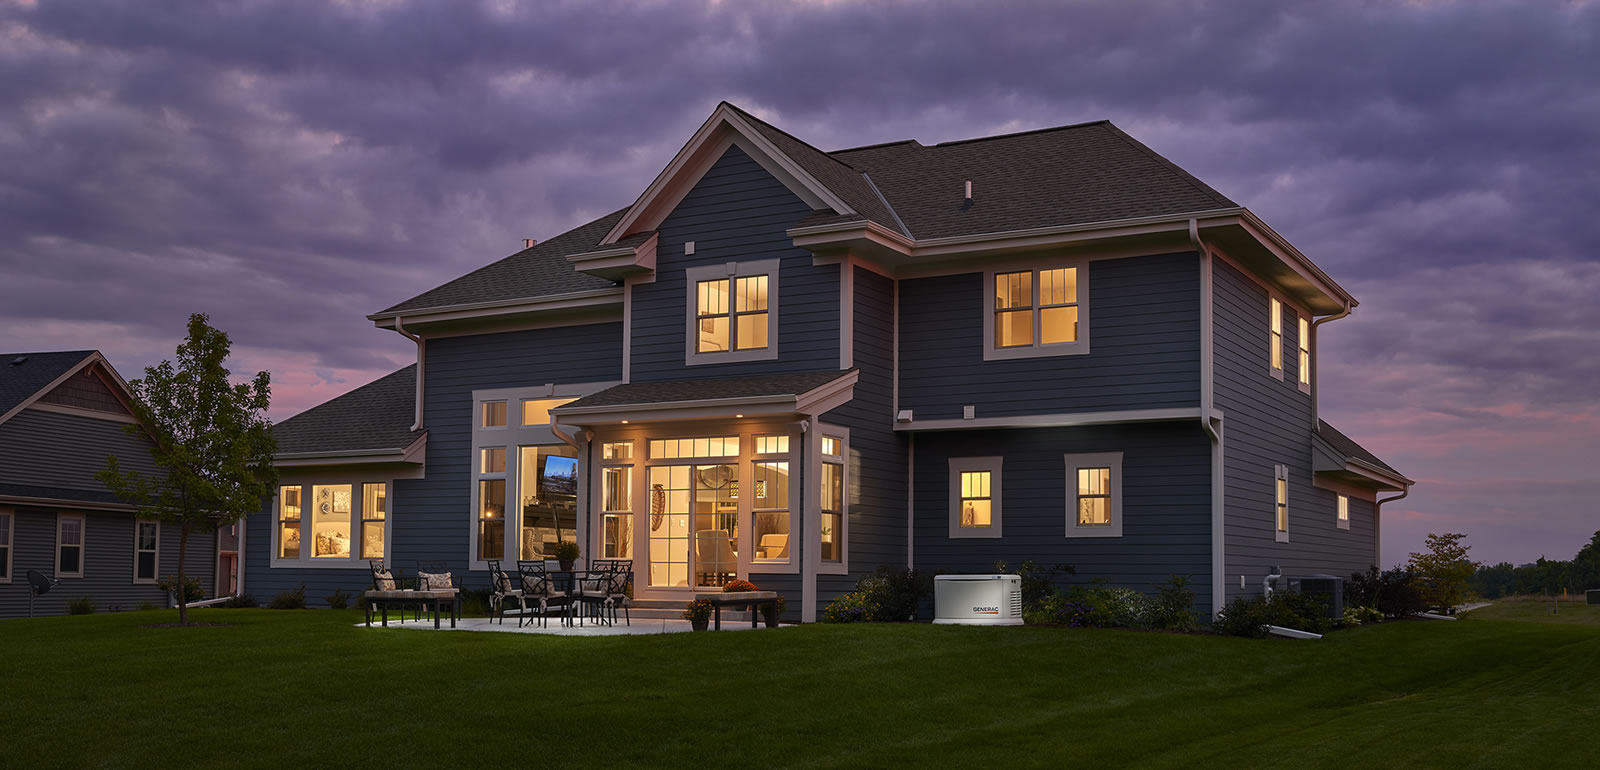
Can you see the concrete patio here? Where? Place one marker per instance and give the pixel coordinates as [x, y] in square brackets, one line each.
[640, 627]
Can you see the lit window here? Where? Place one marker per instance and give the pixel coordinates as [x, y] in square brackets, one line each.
[374, 510]
[492, 460]
[1305, 354]
[679, 448]
[770, 445]
[146, 537]
[1343, 522]
[330, 521]
[1280, 486]
[731, 311]
[771, 512]
[6, 520]
[289, 522]
[494, 414]
[1275, 308]
[976, 505]
[830, 446]
[616, 496]
[491, 518]
[1094, 497]
[975, 497]
[69, 545]
[1036, 307]
[616, 450]
[833, 520]
[537, 411]
[547, 498]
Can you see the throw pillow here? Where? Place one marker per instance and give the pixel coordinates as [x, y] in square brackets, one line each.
[384, 580]
[429, 581]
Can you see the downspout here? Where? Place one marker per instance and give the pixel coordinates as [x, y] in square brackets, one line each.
[1377, 521]
[399, 326]
[1316, 368]
[1212, 427]
[1207, 396]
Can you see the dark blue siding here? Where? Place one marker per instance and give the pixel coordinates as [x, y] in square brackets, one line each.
[737, 212]
[1144, 341]
[1267, 422]
[877, 464]
[1166, 504]
[432, 516]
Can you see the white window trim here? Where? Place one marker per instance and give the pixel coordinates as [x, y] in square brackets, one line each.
[1341, 511]
[959, 465]
[1037, 349]
[784, 565]
[1280, 472]
[1274, 301]
[1302, 343]
[360, 516]
[1112, 460]
[11, 542]
[137, 523]
[731, 271]
[631, 515]
[83, 543]
[842, 566]
[358, 505]
[513, 436]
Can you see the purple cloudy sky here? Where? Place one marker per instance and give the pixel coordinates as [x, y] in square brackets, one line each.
[291, 167]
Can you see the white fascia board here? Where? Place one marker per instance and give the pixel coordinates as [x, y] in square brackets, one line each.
[829, 395]
[1057, 420]
[412, 455]
[611, 295]
[64, 504]
[689, 160]
[1361, 467]
[699, 409]
[617, 262]
[1291, 256]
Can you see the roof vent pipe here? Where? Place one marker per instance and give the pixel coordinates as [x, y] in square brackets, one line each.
[527, 243]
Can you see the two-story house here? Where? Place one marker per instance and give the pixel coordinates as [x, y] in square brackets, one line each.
[794, 366]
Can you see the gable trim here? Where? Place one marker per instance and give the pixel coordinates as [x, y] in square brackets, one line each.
[724, 129]
[114, 381]
[93, 414]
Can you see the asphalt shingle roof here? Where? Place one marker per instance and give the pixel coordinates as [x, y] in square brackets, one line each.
[18, 383]
[752, 386]
[377, 415]
[1349, 448]
[1078, 174]
[101, 495]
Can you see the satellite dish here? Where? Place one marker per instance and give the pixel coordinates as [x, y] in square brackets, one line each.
[38, 584]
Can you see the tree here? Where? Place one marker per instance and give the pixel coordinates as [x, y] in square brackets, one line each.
[1444, 569]
[212, 439]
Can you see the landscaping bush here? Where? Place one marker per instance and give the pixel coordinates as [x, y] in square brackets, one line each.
[82, 605]
[192, 591]
[853, 607]
[1173, 607]
[241, 601]
[1242, 617]
[475, 603]
[1393, 592]
[1355, 616]
[338, 600]
[292, 599]
[1038, 583]
[1250, 617]
[890, 594]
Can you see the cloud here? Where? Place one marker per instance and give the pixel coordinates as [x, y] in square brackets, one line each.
[291, 167]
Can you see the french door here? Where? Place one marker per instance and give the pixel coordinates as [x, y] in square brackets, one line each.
[693, 528]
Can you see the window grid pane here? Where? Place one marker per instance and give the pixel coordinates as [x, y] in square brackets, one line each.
[494, 414]
[767, 445]
[976, 502]
[289, 522]
[752, 294]
[537, 411]
[832, 487]
[617, 489]
[493, 460]
[617, 450]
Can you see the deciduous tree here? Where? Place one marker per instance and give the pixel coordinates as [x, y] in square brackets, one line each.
[1444, 569]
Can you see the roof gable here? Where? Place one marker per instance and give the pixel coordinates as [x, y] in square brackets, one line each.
[795, 163]
[27, 378]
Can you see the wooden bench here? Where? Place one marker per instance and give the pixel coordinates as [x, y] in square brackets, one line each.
[755, 600]
[430, 599]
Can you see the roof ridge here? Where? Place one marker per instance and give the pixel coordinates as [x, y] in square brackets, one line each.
[1174, 168]
[876, 146]
[970, 140]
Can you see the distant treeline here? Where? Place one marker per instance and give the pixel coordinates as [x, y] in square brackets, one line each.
[1542, 577]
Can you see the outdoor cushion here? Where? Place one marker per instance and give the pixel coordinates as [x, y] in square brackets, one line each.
[384, 580]
[429, 581]
[502, 583]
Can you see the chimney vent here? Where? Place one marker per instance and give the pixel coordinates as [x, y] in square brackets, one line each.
[527, 243]
[19, 360]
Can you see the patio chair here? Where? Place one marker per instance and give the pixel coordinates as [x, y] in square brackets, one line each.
[501, 590]
[540, 585]
[435, 576]
[385, 579]
[608, 590]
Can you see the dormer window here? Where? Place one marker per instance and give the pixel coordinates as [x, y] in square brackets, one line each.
[1036, 311]
[732, 312]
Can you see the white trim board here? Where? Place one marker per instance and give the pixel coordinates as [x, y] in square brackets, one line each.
[1055, 420]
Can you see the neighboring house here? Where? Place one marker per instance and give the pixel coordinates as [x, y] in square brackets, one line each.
[795, 366]
[61, 415]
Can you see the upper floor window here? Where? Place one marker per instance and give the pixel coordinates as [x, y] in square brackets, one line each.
[732, 312]
[975, 497]
[494, 414]
[1035, 312]
[1304, 342]
[537, 411]
[1275, 335]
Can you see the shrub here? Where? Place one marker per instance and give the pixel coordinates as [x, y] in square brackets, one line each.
[1059, 610]
[1173, 607]
[192, 591]
[1242, 617]
[853, 607]
[82, 605]
[241, 601]
[338, 600]
[899, 592]
[739, 585]
[474, 603]
[1355, 616]
[292, 599]
[1038, 583]
[1250, 617]
[1393, 592]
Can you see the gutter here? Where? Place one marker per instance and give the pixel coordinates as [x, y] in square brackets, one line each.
[399, 326]
[1377, 521]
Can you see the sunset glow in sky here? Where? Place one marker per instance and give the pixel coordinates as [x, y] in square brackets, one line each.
[291, 167]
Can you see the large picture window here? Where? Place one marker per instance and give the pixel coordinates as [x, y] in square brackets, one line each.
[146, 550]
[1094, 495]
[547, 494]
[975, 509]
[330, 521]
[69, 545]
[1037, 311]
[732, 308]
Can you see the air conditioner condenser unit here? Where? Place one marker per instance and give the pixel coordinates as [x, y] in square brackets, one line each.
[977, 600]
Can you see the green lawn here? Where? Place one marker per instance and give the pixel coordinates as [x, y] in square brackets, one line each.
[1538, 610]
[307, 687]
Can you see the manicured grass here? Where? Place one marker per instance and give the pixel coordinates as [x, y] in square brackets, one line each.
[1538, 610]
[310, 688]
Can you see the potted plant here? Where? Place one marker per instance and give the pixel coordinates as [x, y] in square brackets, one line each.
[567, 554]
[736, 586]
[698, 613]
